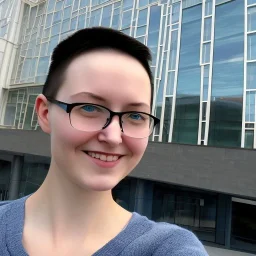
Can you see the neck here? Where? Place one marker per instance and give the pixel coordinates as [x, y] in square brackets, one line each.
[62, 207]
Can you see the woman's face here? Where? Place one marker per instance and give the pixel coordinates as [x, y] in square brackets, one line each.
[89, 159]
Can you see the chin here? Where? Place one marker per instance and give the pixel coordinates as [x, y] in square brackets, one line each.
[99, 185]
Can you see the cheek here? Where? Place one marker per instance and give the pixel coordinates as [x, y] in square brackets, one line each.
[136, 146]
[65, 137]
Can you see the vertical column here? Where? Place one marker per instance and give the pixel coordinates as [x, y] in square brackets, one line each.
[248, 138]
[16, 171]
[228, 221]
[168, 81]
[160, 69]
[223, 220]
[144, 197]
[206, 59]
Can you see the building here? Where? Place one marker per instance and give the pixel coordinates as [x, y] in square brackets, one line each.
[198, 171]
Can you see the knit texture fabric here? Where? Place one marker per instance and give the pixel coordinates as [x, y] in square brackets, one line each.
[141, 237]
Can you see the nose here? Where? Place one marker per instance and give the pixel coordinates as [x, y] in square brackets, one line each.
[112, 134]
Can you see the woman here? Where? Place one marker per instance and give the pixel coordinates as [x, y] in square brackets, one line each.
[95, 106]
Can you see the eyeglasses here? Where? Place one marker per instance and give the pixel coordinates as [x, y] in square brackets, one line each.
[92, 117]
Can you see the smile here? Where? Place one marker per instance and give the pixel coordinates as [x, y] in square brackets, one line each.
[103, 157]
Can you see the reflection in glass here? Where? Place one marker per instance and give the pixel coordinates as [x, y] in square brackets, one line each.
[204, 108]
[203, 131]
[142, 19]
[126, 19]
[243, 233]
[206, 82]
[175, 12]
[251, 19]
[67, 13]
[173, 50]
[249, 139]
[251, 46]
[106, 16]
[208, 7]
[167, 118]
[170, 83]
[57, 17]
[207, 29]
[187, 107]
[227, 80]
[250, 107]
[251, 75]
[51, 4]
[53, 43]
[81, 22]
[194, 211]
[43, 65]
[251, 2]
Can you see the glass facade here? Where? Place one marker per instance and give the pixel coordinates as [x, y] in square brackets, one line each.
[193, 210]
[204, 69]
[243, 234]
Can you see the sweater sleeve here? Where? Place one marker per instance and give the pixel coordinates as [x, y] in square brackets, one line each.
[181, 243]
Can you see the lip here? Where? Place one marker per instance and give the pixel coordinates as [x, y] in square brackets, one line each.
[103, 164]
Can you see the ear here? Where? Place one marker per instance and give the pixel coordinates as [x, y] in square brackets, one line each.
[42, 110]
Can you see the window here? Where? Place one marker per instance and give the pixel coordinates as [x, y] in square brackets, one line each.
[250, 107]
[207, 29]
[175, 12]
[81, 22]
[205, 83]
[48, 20]
[206, 53]
[59, 5]
[57, 17]
[249, 139]
[52, 44]
[170, 83]
[43, 65]
[142, 19]
[251, 75]
[251, 2]
[126, 19]
[208, 7]
[84, 3]
[51, 4]
[252, 19]
[167, 119]
[67, 13]
[251, 47]
[56, 29]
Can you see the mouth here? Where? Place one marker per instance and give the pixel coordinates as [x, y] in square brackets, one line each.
[103, 157]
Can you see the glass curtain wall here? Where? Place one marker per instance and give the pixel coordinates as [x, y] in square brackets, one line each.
[187, 106]
[192, 210]
[202, 66]
[228, 76]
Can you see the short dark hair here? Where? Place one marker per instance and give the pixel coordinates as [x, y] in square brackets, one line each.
[87, 40]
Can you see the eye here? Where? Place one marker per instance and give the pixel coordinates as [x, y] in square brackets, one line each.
[136, 116]
[89, 108]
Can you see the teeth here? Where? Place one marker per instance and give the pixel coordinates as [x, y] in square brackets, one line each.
[103, 157]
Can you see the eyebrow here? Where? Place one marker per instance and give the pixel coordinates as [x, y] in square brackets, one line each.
[97, 97]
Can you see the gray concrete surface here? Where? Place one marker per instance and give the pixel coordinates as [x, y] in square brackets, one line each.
[223, 252]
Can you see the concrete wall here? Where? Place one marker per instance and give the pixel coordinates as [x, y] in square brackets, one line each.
[223, 170]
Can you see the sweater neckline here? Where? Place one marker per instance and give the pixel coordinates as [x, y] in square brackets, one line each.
[136, 227]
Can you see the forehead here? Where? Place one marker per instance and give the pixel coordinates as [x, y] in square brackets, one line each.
[111, 74]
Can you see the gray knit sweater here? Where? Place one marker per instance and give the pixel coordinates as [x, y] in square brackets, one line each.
[141, 237]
